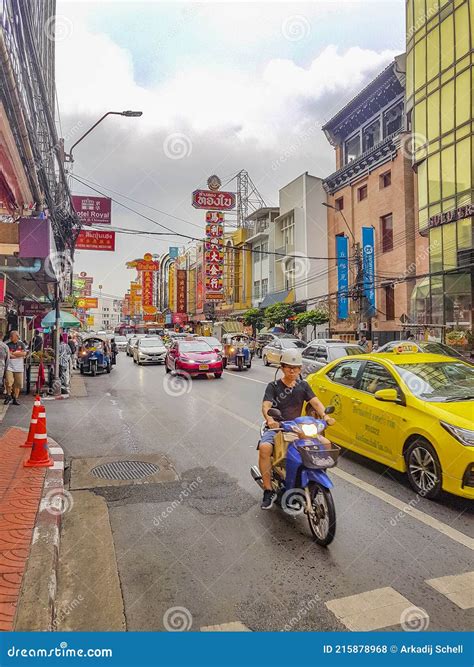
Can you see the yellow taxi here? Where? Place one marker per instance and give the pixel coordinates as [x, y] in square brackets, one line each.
[409, 410]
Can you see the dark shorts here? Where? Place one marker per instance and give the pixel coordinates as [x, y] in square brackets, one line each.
[268, 437]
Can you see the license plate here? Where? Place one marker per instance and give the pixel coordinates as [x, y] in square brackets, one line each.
[203, 367]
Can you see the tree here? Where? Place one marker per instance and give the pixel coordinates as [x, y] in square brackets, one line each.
[253, 317]
[312, 318]
[278, 313]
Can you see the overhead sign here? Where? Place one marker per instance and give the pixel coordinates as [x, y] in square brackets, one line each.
[214, 255]
[173, 252]
[145, 264]
[28, 308]
[90, 320]
[93, 240]
[87, 303]
[213, 200]
[93, 210]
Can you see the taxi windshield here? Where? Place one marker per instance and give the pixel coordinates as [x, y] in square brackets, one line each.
[440, 381]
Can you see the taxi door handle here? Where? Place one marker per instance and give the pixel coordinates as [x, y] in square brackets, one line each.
[356, 400]
[321, 389]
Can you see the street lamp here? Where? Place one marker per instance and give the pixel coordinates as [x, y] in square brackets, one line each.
[338, 210]
[128, 114]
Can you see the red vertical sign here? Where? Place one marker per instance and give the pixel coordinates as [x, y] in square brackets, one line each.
[214, 255]
[181, 301]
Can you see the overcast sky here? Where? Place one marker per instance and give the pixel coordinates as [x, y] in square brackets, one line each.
[223, 87]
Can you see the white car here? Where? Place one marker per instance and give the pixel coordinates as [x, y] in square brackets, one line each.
[149, 351]
[121, 343]
[131, 343]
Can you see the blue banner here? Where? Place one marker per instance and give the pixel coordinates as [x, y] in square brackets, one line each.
[368, 267]
[237, 649]
[342, 277]
[173, 252]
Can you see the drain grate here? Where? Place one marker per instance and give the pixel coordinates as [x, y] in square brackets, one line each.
[125, 470]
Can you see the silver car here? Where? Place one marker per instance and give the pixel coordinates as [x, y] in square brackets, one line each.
[318, 353]
[149, 351]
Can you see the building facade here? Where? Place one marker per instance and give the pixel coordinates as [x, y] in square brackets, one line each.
[371, 210]
[107, 315]
[440, 102]
[260, 223]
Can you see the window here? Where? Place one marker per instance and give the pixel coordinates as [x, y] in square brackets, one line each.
[376, 377]
[264, 249]
[371, 135]
[256, 289]
[385, 179]
[387, 232]
[309, 353]
[256, 254]
[352, 149]
[392, 119]
[346, 372]
[264, 287]
[339, 204]
[389, 302]
[362, 193]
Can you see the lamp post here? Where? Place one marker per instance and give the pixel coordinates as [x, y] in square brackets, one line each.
[128, 114]
[358, 293]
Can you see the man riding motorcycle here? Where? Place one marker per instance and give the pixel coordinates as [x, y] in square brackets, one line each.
[287, 395]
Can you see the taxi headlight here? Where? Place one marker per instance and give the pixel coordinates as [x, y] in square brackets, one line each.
[464, 435]
[310, 429]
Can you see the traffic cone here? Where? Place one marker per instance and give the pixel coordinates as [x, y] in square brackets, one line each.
[33, 422]
[39, 457]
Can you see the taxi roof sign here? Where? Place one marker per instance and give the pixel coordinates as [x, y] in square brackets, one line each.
[405, 347]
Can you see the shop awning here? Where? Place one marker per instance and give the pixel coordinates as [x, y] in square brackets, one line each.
[67, 320]
[285, 296]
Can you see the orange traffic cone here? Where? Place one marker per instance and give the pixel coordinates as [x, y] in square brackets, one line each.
[33, 422]
[39, 457]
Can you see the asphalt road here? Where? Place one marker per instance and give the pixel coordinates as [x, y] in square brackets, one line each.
[202, 544]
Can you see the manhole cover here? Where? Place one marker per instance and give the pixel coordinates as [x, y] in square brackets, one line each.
[125, 470]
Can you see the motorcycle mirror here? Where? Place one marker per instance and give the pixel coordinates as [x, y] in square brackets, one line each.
[330, 409]
[276, 414]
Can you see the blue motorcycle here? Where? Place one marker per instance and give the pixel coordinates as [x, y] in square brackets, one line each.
[301, 456]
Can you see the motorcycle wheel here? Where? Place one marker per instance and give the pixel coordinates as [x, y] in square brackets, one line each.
[81, 370]
[240, 363]
[323, 529]
[108, 368]
[93, 370]
[249, 365]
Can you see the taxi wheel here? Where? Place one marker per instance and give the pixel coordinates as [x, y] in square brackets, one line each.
[423, 468]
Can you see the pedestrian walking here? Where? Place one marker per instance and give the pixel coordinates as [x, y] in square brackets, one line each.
[4, 356]
[15, 368]
[73, 347]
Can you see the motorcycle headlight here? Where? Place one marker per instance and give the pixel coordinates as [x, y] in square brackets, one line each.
[463, 435]
[310, 430]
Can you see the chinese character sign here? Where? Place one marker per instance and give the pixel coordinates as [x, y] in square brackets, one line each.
[214, 255]
[218, 201]
[181, 301]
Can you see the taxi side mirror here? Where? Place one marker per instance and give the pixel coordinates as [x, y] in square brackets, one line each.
[387, 395]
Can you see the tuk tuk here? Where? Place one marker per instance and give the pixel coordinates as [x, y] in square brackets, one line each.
[236, 350]
[94, 355]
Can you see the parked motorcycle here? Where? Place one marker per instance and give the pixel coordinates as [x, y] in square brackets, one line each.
[299, 463]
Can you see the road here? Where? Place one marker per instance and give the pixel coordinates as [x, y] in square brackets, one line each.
[202, 544]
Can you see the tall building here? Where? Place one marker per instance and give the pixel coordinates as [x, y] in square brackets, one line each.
[371, 211]
[260, 223]
[440, 101]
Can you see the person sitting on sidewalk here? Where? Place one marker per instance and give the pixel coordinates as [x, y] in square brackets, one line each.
[15, 368]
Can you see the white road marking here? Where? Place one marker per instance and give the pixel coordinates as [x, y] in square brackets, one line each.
[233, 626]
[459, 588]
[428, 520]
[242, 377]
[372, 610]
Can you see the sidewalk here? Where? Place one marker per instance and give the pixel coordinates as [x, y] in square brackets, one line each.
[20, 494]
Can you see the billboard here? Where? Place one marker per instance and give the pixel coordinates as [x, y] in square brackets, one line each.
[181, 301]
[368, 267]
[92, 240]
[213, 200]
[93, 210]
[342, 253]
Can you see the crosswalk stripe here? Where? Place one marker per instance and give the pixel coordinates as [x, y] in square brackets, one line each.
[372, 610]
[459, 588]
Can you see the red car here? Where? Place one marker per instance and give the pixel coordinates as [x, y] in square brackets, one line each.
[194, 357]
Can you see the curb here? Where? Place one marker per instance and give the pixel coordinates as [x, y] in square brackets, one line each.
[35, 609]
[62, 397]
